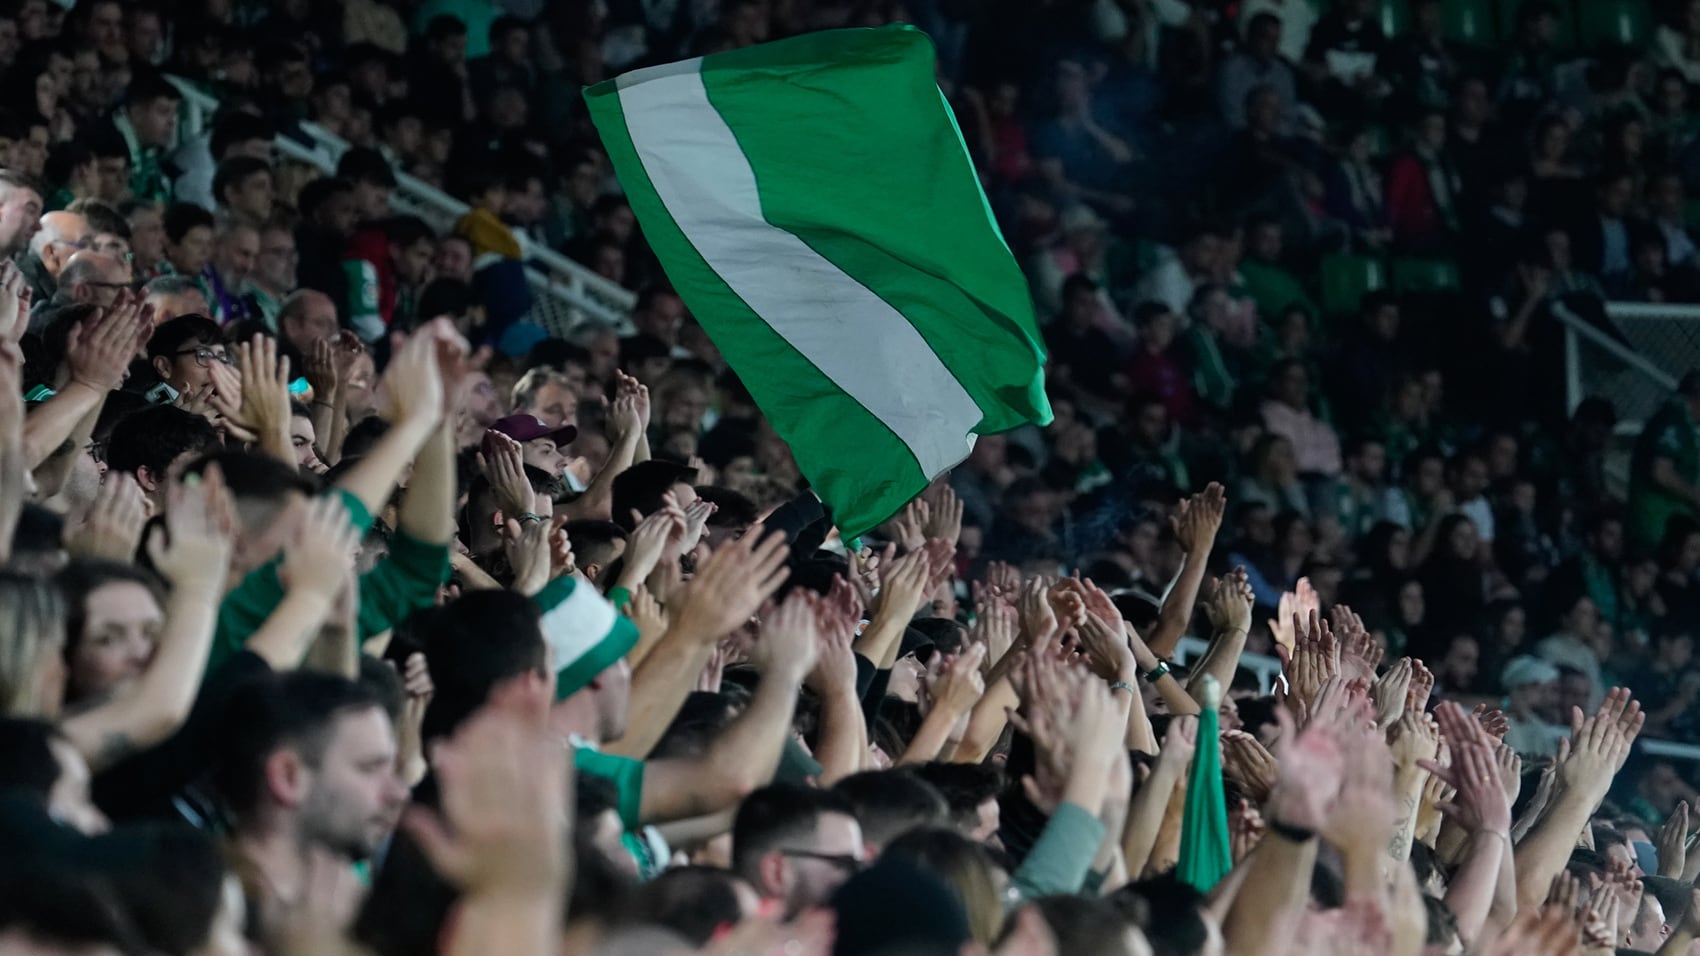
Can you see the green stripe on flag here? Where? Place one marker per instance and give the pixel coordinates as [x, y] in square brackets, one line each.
[814, 205]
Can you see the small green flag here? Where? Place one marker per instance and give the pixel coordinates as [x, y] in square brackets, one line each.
[814, 204]
[1205, 854]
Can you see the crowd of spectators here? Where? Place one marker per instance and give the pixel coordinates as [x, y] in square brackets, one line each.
[356, 596]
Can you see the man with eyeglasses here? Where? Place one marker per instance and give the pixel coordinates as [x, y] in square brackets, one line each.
[88, 277]
[796, 844]
[183, 351]
[62, 234]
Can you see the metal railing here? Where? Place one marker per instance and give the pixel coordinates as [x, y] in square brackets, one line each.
[1634, 361]
[568, 293]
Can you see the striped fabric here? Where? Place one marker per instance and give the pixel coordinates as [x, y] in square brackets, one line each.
[814, 204]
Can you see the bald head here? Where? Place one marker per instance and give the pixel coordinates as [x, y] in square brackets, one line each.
[61, 235]
[307, 317]
[91, 277]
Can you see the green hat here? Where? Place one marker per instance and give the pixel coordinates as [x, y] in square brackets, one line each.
[586, 636]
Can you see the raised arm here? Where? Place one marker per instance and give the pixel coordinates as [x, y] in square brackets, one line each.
[1229, 608]
[728, 588]
[628, 421]
[265, 397]
[1599, 746]
[1151, 800]
[413, 388]
[316, 565]
[1195, 526]
[427, 511]
[1482, 810]
[1272, 899]
[747, 752]
[97, 355]
[192, 551]
[841, 742]
[958, 689]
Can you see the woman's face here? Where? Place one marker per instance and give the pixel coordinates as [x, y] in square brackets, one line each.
[121, 622]
[1583, 619]
[1411, 603]
[1512, 627]
[1463, 541]
[1399, 550]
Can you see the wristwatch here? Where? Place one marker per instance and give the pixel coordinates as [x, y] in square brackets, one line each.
[1155, 674]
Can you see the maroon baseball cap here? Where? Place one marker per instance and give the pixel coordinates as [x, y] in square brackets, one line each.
[524, 428]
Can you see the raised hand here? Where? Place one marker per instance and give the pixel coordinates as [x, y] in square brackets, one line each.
[1360, 655]
[1198, 518]
[98, 352]
[1038, 621]
[505, 812]
[264, 405]
[1390, 690]
[652, 539]
[194, 544]
[113, 526]
[994, 626]
[1308, 777]
[1422, 685]
[789, 641]
[908, 528]
[527, 548]
[1480, 805]
[960, 684]
[502, 459]
[413, 382]
[944, 522]
[835, 663]
[1296, 605]
[696, 520]
[1230, 602]
[1105, 646]
[905, 584]
[1673, 842]
[320, 560]
[731, 585]
[1248, 763]
[1492, 721]
[1412, 739]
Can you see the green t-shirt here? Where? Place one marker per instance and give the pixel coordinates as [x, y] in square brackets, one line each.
[1668, 434]
[626, 775]
[403, 582]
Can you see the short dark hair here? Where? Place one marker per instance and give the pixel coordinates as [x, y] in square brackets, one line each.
[237, 126]
[405, 231]
[318, 192]
[693, 901]
[777, 813]
[233, 171]
[443, 26]
[1085, 924]
[298, 709]
[148, 85]
[964, 787]
[593, 540]
[362, 436]
[174, 334]
[253, 477]
[888, 802]
[641, 487]
[637, 348]
[363, 164]
[473, 644]
[180, 217]
[1176, 925]
[732, 510]
[155, 436]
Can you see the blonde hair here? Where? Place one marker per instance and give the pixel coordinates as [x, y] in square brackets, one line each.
[32, 638]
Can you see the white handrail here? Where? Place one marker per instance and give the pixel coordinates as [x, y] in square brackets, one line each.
[567, 281]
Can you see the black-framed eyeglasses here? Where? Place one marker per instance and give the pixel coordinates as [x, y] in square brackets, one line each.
[204, 356]
[843, 861]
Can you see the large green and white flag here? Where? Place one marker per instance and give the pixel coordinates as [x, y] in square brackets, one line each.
[814, 204]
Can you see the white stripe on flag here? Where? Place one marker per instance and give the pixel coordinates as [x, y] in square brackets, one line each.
[867, 348]
[572, 627]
